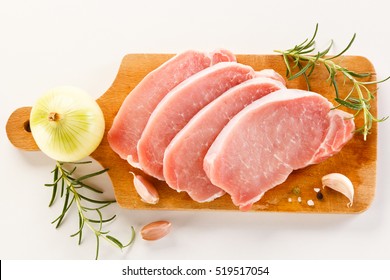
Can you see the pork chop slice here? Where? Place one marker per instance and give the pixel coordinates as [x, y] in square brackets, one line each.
[272, 74]
[339, 133]
[183, 158]
[137, 107]
[286, 130]
[180, 105]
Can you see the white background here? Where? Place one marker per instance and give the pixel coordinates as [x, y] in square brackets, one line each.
[49, 43]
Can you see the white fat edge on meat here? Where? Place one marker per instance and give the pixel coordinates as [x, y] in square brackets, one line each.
[133, 163]
[272, 74]
[248, 204]
[213, 197]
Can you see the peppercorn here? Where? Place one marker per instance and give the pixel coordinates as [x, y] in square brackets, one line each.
[320, 196]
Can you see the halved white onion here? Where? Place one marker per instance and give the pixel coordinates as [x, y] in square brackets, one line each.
[67, 124]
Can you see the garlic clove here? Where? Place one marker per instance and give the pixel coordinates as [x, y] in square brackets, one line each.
[145, 189]
[340, 183]
[155, 230]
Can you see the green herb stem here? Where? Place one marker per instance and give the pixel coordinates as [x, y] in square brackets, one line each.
[72, 189]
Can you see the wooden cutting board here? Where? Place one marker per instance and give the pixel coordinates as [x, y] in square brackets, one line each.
[357, 160]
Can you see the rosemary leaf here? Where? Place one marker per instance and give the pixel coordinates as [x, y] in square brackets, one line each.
[326, 51]
[375, 82]
[55, 179]
[96, 201]
[97, 247]
[347, 47]
[306, 76]
[62, 186]
[65, 208]
[81, 226]
[72, 171]
[132, 237]
[300, 72]
[115, 241]
[358, 75]
[91, 175]
[288, 71]
[310, 71]
[83, 185]
[354, 106]
[103, 220]
[80, 230]
[100, 207]
[308, 50]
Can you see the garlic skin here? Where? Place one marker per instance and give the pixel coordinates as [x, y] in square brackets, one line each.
[145, 189]
[67, 124]
[340, 183]
[155, 230]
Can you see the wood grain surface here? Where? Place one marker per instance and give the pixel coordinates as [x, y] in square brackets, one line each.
[357, 160]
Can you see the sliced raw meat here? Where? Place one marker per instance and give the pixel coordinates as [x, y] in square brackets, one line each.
[183, 158]
[283, 131]
[180, 105]
[338, 134]
[272, 74]
[135, 111]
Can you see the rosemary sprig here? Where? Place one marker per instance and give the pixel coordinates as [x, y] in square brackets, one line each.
[359, 97]
[70, 186]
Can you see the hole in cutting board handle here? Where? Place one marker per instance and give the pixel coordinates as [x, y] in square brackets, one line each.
[19, 131]
[26, 126]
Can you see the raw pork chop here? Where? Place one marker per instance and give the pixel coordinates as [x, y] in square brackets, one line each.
[183, 158]
[180, 105]
[336, 137]
[272, 74]
[135, 111]
[283, 131]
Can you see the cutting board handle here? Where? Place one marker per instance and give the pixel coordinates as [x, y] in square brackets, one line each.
[18, 130]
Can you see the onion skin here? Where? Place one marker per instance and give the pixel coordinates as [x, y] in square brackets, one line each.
[67, 124]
